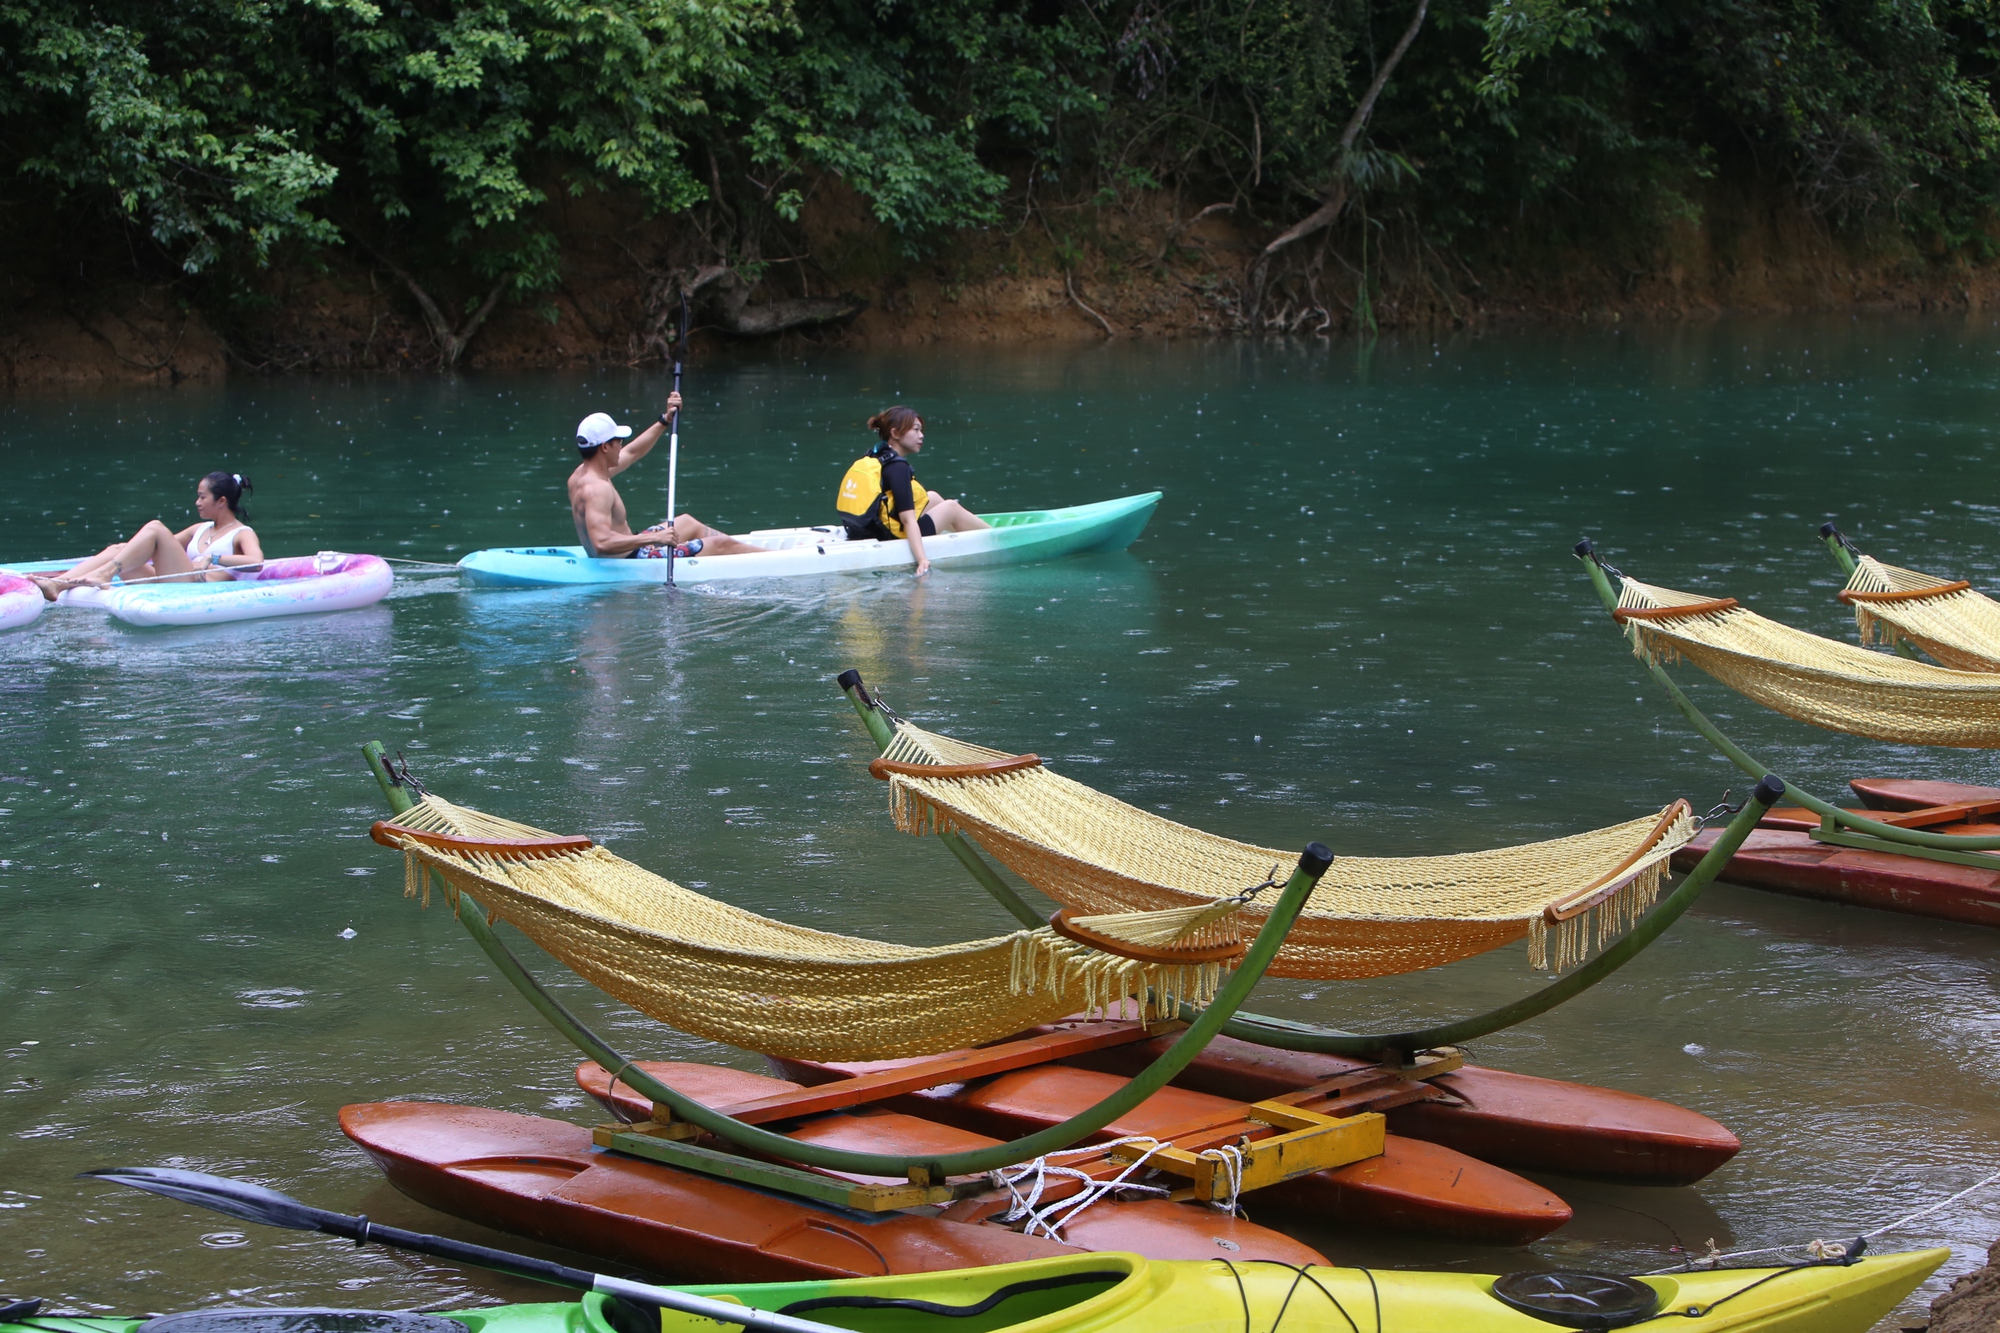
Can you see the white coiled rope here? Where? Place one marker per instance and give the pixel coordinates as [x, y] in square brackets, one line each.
[1052, 1218]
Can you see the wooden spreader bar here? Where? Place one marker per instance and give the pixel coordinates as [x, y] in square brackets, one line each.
[1592, 894]
[1912, 595]
[507, 849]
[986, 768]
[1625, 613]
[1225, 951]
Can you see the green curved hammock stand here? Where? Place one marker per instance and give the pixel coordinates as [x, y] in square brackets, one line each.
[1286, 1035]
[927, 1174]
[1842, 828]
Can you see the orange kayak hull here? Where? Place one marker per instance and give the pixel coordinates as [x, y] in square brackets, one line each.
[1782, 856]
[1413, 1186]
[1916, 794]
[545, 1179]
[1787, 860]
[1512, 1120]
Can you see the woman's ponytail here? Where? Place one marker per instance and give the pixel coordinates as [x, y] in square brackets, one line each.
[230, 488]
[893, 420]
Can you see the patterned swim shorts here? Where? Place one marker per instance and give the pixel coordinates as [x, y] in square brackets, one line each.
[653, 552]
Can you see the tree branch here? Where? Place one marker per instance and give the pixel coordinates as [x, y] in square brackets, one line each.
[1336, 197]
[1070, 287]
[464, 335]
[451, 343]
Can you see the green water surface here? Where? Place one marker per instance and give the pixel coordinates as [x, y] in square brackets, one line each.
[1355, 618]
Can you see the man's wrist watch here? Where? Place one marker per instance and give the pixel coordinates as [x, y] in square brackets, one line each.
[667, 420]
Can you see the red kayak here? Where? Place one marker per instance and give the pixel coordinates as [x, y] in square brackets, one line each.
[545, 1179]
[1412, 1186]
[1781, 855]
[1915, 794]
[1512, 1120]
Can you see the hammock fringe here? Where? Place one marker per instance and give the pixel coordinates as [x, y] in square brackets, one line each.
[1562, 945]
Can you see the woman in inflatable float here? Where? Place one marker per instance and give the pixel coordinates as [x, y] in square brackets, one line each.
[213, 549]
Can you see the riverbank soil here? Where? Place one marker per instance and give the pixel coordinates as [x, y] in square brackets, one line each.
[1972, 1305]
[1150, 266]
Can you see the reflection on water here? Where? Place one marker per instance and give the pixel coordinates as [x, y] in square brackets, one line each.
[1355, 618]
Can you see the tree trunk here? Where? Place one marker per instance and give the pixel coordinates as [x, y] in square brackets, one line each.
[733, 312]
[452, 341]
[1335, 198]
[728, 306]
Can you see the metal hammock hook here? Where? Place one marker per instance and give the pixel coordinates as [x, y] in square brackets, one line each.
[1271, 881]
[883, 704]
[1846, 542]
[400, 775]
[1588, 550]
[1721, 809]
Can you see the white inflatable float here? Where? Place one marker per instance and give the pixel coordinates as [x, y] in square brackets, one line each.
[293, 586]
[20, 602]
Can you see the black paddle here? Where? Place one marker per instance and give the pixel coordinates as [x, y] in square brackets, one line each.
[254, 1203]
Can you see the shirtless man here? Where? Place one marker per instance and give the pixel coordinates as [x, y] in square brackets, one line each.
[599, 510]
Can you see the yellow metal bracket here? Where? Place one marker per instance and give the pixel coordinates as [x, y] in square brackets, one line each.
[1310, 1142]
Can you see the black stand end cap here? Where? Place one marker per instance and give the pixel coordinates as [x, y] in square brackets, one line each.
[1585, 549]
[1828, 530]
[1770, 790]
[1316, 858]
[849, 679]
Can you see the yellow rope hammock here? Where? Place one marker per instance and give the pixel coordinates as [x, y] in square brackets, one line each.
[717, 971]
[1368, 917]
[1816, 680]
[1945, 618]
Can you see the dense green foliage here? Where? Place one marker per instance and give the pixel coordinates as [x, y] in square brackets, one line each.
[227, 126]
[432, 135]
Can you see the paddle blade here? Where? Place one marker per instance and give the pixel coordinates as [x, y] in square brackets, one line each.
[237, 1198]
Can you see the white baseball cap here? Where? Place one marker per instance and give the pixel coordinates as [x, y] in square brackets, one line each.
[597, 428]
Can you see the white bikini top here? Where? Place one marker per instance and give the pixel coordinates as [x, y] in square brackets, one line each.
[221, 546]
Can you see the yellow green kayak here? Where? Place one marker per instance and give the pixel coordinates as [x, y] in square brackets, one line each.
[1124, 1293]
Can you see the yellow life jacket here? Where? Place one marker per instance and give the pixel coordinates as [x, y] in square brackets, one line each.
[861, 491]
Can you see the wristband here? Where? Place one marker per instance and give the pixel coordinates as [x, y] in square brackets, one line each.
[666, 421]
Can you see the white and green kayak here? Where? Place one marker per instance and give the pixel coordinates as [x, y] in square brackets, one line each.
[1016, 538]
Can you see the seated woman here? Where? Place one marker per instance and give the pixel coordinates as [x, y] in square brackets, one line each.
[881, 500]
[209, 550]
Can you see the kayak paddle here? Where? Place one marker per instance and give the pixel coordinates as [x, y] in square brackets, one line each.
[674, 435]
[254, 1203]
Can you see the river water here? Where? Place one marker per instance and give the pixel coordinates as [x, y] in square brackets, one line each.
[1355, 618]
